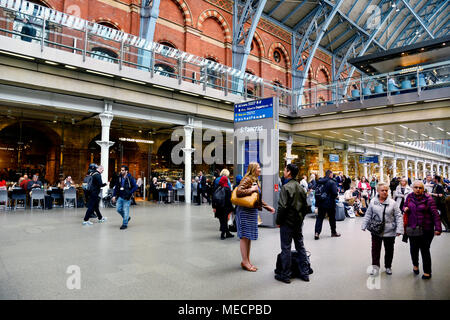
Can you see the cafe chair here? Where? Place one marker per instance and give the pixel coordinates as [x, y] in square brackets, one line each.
[17, 195]
[56, 195]
[37, 194]
[70, 195]
[4, 199]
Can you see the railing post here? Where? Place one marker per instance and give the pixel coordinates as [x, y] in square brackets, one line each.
[245, 87]
[417, 82]
[43, 34]
[361, 98]
[387, 86]
[262, 89]
[121, 55]
[205, 75]
[180, 70]
[86, 36]
[226, 84]
[152, 64]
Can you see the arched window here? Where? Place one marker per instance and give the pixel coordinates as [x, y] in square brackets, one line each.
[162, 64]
[29, 26]
[105, 52]
[277, 56]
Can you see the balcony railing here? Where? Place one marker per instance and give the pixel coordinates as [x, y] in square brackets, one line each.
[50, 28]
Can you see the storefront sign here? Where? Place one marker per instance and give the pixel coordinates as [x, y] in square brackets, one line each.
[136, 140]
[253, 110]
[334, 158]
[367, 159]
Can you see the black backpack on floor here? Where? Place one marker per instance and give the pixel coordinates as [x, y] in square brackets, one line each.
[300, 264]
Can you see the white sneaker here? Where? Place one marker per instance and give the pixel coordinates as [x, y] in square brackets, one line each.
[388, 271]
[375, 271]
[102, 220]
[87, 223]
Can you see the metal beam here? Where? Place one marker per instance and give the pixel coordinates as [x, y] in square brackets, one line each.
[418, 18]
[301, 76]
[294, 11]
[243, 12]
[276, 7]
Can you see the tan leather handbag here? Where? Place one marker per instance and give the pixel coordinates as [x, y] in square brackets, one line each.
[247, 202]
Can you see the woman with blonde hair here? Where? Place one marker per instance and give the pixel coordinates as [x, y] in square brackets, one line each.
[247, 218]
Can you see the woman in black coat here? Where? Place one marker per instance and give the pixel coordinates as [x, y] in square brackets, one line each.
[222, 212]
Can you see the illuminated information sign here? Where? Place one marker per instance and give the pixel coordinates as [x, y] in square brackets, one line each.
[253, 110]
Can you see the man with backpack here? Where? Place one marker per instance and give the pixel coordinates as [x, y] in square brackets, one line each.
[292, 208]
[123, 190]
[326, 194]
[92, 185]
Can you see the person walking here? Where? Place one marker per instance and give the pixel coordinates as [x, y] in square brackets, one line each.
[386, 210]
[373, 187]
[364, 189]
[247, 218]
[292, 209]
[438, 194]
[326, 203]
[221, 212]
[201, 187]
[123, 190]
[401, 192]
[93, 194]
[421, 225]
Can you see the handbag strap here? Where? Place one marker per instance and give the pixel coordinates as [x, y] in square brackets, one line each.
[384, 215]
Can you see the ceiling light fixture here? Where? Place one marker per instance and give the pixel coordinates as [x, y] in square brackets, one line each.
[16, 55]
[379, 129]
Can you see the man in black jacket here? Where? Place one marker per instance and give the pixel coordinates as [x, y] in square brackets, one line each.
[292, 207]
[328, 205]
[201, 187]
[124, 189]
[94, 194]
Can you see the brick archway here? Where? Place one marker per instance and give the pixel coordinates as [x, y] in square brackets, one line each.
[325, 70]
[213, 14]
[108, 21]
[187, 15]
[283, 50]
[260, 43]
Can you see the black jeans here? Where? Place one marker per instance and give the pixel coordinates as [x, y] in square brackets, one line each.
[92, 205]
[444, 218]
[377, 241]
[287, 234]
[223, 219]
[422, 244]
[321, 215]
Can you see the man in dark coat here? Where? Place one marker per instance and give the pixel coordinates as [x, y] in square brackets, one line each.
[201, 187]
[328, 205]
[94, 194]
[292, 208]
[123, 191]
[27, 29]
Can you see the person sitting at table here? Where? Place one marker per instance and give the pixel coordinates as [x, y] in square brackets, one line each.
[2, 184]
[154, 188]
[34, 184]
[68, 182]
[24, 183]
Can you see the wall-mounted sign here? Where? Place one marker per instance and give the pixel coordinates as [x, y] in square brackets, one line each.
[253, 110]
[334, 158]
[367, 159]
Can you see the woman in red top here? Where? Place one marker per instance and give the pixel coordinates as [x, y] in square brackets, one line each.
[364, 189]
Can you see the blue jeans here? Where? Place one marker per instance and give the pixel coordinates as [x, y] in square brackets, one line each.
[123, 208]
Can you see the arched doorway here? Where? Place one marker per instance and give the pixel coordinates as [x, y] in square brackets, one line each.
[28, 148]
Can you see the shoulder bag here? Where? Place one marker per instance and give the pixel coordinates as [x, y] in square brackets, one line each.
[247, 202]
[375, 225]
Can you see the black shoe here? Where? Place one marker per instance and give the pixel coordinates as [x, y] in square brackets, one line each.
[416, 271]
[316, 236]
[426, 277]
[123, 227]
[279, 278]
[229, 235]
[304, 278]
[335, 234]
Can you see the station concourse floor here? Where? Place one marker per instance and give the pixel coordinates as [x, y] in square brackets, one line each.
[174, 251]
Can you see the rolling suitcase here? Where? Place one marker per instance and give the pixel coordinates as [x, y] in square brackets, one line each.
[340, 211]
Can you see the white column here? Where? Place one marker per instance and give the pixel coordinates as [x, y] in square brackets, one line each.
[289, 143]
[381, 162]
[439, 169]
[416, 172]
[365, 170]
[345, 158]
[356, 167]
[321, 173]
[106, 117]
[424, 169]
[394, 167]
[406, 168]
[188, 160]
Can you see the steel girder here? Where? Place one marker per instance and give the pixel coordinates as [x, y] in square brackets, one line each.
[368, 43]
[431, 16]
[149, 15]
[243, 11]
[300, 76]
[417, 17]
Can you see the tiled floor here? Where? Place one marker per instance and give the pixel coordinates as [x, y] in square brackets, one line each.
[174, 252]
